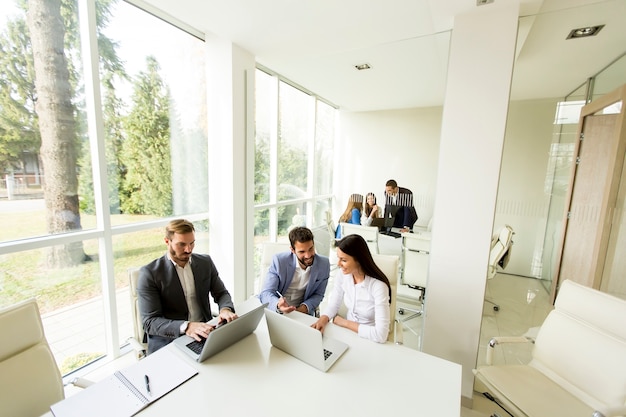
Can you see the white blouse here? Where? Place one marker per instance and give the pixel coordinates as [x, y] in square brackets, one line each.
[367, 303]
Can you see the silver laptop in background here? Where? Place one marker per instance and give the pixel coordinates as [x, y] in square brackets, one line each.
[302, 341]
[225, 335]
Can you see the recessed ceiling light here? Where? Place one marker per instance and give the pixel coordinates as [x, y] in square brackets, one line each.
[361, 67]
[483, 2]
[584, 32]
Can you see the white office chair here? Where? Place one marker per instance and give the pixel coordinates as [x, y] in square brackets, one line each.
[369, 233]
[30, 381]
[501, 245]
[138, 340]
[330, 225]
[415, 255]
[389, 265]
[268, 250]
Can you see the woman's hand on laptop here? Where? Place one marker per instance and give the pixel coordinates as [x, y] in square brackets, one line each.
[321, 323]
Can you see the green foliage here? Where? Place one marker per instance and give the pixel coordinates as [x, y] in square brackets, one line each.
[19, 130]
[147, 186]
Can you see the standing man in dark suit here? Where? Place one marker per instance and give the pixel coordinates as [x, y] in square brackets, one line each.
[297, 279]
[403, 197]
[173, 290]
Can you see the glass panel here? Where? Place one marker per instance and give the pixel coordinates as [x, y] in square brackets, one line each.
[294, 134]
[41, 146]
[155, 118]
[610, 78]
[324, 145]
[69, 299]
[265, 122]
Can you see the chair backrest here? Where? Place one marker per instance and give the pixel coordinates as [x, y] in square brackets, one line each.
[30, 381]
[500, 250]
[138, 331]
[330, 225]
[269, 249]
[369, 233]
[582, 345]
[389, 265]
[415, 256]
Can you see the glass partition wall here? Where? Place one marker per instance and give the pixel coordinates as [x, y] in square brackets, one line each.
[543, 219]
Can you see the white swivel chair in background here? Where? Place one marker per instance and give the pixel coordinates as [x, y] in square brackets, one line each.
[501, 245]
[137, 341]
[268, 250]
[369, 233]
[415, 257]
[389, 265]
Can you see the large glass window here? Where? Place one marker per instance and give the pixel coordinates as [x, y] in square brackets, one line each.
[294, 143]
[59, 192]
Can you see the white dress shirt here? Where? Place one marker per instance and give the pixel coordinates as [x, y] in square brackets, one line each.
[367, 303]
[189, 288]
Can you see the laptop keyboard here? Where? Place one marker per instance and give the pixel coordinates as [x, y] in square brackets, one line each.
[327, 354]
[390, 233]
[196, 346]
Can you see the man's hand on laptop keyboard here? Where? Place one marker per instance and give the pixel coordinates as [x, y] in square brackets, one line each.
[199, 330]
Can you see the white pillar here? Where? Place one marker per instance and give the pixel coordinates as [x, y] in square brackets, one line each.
[229, 165]
[474, 117]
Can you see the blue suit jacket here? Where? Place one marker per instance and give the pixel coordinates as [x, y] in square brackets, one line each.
[161, 299]
[280, 275]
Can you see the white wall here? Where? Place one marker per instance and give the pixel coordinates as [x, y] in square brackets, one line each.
[396, 144]
[521, 200]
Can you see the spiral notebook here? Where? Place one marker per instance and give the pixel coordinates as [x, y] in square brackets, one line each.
[125, 393]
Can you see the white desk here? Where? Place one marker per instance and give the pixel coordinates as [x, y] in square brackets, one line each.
[252, 378]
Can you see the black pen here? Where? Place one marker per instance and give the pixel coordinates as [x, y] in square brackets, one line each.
[145, 377]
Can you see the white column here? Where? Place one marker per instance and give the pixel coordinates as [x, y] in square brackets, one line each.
[229, 164]
[473, 124]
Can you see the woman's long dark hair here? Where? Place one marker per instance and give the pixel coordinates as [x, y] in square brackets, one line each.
[367, 207]
[356, 246]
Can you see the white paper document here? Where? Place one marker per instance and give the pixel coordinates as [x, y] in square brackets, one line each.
[125, 393]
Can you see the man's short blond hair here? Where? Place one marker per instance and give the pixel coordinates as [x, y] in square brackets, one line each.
[180, 226]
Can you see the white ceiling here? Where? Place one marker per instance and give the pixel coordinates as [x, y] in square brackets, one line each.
[317, 43]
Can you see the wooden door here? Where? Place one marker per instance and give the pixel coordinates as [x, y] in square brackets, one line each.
[592, 204]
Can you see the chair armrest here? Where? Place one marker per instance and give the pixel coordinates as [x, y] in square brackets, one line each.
[500, 340]
[81, 382]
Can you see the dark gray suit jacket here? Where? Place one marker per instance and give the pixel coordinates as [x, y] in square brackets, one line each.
[162, 302]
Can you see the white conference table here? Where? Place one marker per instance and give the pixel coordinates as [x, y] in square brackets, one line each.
[252, 378]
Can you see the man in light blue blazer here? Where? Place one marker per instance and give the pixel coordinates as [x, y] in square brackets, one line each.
[297, 279]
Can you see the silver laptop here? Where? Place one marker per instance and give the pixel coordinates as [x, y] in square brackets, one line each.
[223, 336]
[302, 341]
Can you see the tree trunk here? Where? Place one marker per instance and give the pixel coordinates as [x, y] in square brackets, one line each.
[57, 126]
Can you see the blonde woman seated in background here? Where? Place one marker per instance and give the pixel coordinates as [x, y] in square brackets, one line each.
[371, 210]
[352, 214]
[363, 288]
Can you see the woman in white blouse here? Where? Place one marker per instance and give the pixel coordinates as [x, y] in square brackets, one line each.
[363, 288]
[370, 210]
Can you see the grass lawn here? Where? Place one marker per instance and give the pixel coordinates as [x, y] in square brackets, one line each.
[24, 274]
